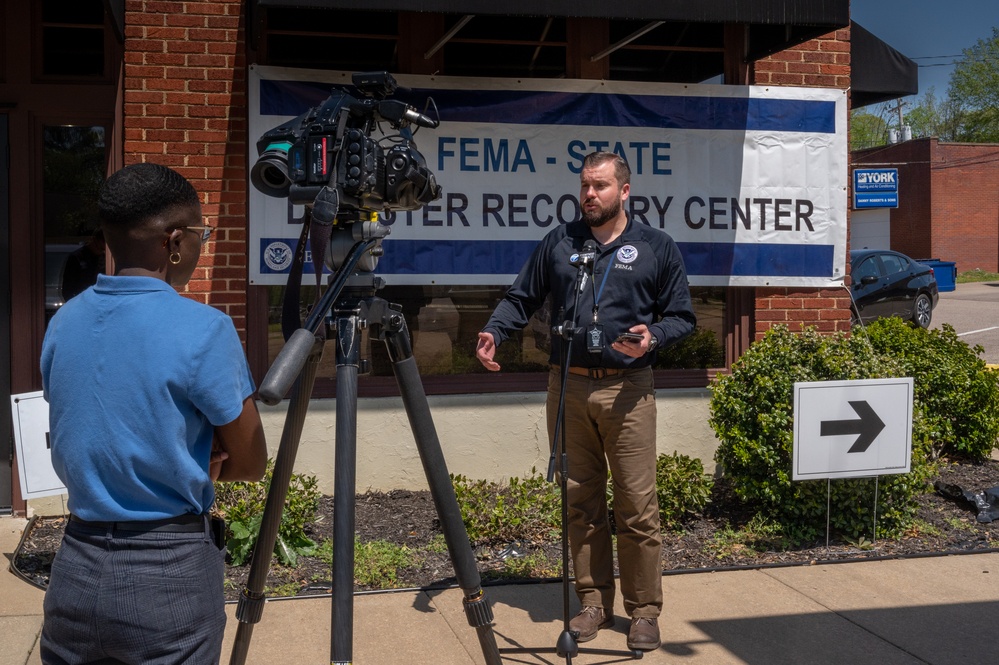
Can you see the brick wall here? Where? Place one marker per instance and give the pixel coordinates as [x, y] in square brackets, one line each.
[820, 63]
[948, 200]
[909, 228]
[965, 205]
[185, 107]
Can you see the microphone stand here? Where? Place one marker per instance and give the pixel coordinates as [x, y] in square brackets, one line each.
[567, 645]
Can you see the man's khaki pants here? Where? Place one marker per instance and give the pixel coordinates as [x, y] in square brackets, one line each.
[612, 421]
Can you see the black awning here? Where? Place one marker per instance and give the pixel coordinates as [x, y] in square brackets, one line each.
[829, 13]
[879, 72]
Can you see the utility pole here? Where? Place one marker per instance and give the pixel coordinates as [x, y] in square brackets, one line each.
[897, 108]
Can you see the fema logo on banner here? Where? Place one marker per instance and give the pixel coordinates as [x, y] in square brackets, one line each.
[627, 254]
[276, 255]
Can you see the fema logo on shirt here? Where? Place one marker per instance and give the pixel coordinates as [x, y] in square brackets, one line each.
[627, 254]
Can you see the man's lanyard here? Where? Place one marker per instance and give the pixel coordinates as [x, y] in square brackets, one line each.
[596, 296]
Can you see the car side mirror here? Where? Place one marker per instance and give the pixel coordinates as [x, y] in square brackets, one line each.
[868, 279]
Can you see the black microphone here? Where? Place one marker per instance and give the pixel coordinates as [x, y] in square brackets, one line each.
[586, 257]
[398, 111]
[418, 118]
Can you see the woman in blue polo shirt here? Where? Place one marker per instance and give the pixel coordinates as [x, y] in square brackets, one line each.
[150, 399]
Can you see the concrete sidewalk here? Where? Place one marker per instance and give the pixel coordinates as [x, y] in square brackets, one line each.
[933, 610]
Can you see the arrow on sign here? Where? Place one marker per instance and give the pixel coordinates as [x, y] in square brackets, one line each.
[867, 427]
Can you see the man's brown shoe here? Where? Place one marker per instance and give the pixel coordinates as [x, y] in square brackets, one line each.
[644, 634]
[589, 620]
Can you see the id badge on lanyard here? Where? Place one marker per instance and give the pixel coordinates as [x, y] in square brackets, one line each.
[595, 331]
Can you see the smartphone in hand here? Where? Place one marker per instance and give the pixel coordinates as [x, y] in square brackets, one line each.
[629, 338]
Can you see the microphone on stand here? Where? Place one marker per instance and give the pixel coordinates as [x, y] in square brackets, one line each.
[586, 257]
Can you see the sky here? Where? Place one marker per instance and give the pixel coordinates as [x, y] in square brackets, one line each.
[933, 33]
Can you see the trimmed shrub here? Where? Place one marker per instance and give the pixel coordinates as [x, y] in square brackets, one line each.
[752, 412]
[956, 394]
[682, 488]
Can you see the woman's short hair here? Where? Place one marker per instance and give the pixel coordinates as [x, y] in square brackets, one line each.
[139, 192]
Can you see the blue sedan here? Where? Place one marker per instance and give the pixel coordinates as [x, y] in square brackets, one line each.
[887, 283]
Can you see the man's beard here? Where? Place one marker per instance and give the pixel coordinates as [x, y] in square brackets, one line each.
[601, 217]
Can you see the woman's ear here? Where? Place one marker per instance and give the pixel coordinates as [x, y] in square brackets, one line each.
[173, 240]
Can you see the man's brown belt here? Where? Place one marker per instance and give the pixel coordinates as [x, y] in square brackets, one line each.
[593, 372]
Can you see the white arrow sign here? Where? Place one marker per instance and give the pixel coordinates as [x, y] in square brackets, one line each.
[848, 429]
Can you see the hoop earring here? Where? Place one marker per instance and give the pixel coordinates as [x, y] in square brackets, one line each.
[175, 258]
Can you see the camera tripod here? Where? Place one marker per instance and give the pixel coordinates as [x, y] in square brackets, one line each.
[297, 363]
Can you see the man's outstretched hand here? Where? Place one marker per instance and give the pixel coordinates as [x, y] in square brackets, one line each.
[486, 351]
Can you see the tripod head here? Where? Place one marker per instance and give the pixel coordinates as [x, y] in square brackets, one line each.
[291, 359]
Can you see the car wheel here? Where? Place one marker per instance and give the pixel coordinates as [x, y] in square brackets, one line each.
[922, 311]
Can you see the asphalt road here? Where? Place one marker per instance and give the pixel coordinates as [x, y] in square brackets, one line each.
[973, 310]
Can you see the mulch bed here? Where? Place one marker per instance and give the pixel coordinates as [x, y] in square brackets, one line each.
[409, 518]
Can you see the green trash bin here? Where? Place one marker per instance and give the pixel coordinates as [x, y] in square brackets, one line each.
[944, 271]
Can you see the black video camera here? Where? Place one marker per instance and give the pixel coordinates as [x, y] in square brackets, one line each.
[330, 146]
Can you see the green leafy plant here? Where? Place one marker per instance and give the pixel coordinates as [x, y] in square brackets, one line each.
[533, 566]
[377, 563]
[242, 506]
[758, 535]
[682, 487]
[977, 275]
[956, 394]
[752, 413]
[700, 350]
[523, 509]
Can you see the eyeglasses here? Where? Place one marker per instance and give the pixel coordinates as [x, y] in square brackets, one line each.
[206, 231]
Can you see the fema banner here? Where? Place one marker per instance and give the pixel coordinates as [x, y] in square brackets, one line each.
[751, 182]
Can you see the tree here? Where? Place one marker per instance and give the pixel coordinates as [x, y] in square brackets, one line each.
[974, 91]
[932, 118]
[867, 130]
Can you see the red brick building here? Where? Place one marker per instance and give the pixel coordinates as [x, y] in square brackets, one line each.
[97, 84]
[948, 200]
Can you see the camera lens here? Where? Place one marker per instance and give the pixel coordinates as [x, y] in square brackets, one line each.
[270, 173]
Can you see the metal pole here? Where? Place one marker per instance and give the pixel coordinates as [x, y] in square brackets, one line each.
[250, 607]
[344, 488]
[477, 608]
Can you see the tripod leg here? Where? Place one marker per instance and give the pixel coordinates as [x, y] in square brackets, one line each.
[251, 602]
[477, 609]
[344, 488]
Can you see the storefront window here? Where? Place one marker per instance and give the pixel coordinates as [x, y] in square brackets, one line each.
[74, 166]
[73, 39]
[444, 321]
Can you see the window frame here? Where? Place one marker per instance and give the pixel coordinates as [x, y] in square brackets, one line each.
[38, 26]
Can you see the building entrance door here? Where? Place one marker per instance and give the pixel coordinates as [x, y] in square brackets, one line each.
[7, 436]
